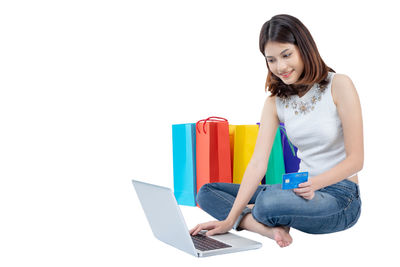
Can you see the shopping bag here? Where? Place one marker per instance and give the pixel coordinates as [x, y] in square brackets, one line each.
[232, 129]
[184, 163]
[213, 161]
[276, 165]
[244, 139]
[291, 161]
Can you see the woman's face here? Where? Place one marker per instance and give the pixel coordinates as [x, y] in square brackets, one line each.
[284, 61]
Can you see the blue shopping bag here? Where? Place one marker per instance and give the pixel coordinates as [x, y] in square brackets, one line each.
[292, 162]
[184, 163]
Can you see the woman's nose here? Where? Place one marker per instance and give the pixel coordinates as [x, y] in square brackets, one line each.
[282, 67]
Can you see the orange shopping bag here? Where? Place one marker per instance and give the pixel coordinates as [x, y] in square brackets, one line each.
[213, 158]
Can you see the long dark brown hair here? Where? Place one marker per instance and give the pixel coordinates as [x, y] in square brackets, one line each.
[288, 29]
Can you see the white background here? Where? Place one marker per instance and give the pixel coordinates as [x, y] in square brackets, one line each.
[88, 93]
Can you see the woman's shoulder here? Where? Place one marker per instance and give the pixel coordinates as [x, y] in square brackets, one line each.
[270, 105]
[341, 87]
[340, 77]
[271, 101]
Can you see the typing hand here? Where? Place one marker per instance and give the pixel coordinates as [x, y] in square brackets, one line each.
[213, 227]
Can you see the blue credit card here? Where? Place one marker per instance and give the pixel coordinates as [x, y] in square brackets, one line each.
[292, 180]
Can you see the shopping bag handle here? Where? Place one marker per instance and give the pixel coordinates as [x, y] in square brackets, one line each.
[197, 124]
[213, 118]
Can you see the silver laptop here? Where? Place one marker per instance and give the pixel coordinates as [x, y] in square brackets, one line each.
[168, 225]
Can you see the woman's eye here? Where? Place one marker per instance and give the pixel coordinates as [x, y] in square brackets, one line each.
[270, 60]
[287, 55]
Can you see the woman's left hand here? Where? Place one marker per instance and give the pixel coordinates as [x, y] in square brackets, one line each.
[305, 190]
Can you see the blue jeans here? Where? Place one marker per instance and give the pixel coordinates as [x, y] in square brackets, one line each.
[334, 208]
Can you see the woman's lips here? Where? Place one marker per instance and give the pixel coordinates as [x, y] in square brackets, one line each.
[287, 75]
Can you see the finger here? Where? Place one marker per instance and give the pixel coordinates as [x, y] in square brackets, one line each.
[307, 196]
[193, 229]
[212, 232]
[303, 194]
[204, 226]
[218, 229]
[311, 196]
[198, 229]
[305, 184]
[301, 190]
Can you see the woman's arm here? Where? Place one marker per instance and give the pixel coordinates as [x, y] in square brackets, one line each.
[258, 164]
[349, 109]
[255, 170]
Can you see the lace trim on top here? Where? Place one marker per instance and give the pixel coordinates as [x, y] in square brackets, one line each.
[303, 107]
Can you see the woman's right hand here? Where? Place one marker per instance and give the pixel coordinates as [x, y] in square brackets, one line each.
[213, 227]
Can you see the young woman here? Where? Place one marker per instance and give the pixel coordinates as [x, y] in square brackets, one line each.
[322, 115]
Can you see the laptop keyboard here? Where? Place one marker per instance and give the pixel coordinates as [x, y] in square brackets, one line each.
[204, 243]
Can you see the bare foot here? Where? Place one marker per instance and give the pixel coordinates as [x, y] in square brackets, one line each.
[281, 236]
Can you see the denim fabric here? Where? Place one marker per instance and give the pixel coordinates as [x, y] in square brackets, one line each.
[334, 208]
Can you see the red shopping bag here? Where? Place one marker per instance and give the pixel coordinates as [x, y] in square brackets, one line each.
[213, 158]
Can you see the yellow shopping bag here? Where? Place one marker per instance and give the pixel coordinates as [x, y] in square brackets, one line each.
[242, 140]
[242, 143]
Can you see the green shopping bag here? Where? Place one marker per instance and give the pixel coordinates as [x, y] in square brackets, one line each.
[276, 164]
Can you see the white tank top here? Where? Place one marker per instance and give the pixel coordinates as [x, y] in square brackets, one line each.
[313, 125]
